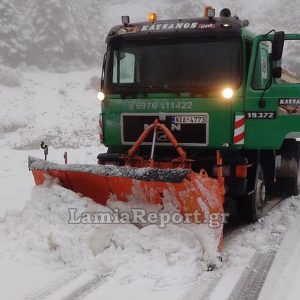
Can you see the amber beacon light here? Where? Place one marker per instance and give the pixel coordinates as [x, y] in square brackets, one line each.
[152, 17]
[209, 12]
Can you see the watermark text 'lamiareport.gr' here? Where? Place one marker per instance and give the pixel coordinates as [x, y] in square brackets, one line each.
[143, 217]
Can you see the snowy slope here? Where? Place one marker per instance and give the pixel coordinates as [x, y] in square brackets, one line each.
[61, 109]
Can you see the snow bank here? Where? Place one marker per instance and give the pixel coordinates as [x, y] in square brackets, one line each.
[164, 258]
[207, 236]
[42, 228]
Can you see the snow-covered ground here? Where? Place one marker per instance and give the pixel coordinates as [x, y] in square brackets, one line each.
[45, 257]
[34, 231]
[283, 280]
[61, 109]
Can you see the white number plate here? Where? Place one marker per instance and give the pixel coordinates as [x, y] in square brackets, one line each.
[200, 119]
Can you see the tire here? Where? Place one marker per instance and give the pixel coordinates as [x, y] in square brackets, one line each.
[259, 197]
[250, 208]
[289, 186]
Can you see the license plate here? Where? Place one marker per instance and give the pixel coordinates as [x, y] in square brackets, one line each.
[201, 119]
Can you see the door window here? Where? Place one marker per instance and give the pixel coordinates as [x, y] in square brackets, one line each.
[262, 66]
[290, 63]
[124, 67]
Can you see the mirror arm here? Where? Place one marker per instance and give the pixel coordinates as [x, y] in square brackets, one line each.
[102, 73]
[262, 101]
[269, 32]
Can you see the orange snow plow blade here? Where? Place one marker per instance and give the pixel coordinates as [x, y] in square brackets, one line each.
[196, 195]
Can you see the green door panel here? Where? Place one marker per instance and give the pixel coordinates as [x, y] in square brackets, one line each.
[265, 132]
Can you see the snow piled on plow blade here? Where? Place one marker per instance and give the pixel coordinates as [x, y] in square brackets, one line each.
[167, 214]
[147, 174]
[176, 193]
[168, 257]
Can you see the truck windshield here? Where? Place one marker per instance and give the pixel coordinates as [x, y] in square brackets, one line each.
[174, 65]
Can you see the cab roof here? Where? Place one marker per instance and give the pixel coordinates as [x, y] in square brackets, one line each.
[222, 26]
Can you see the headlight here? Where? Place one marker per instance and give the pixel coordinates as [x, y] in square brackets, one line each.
[228, 93]
[101, 96]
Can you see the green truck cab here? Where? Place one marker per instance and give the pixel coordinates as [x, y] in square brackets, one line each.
[216, 86]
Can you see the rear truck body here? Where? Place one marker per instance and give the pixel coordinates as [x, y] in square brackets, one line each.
[216, 86]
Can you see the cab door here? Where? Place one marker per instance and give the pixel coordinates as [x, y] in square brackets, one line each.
[272, 100]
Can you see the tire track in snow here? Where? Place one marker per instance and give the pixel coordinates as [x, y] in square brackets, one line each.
[72, 286]
[254, 276]
[204, 286]
[50, 288]
[86, 288]
[252, 280]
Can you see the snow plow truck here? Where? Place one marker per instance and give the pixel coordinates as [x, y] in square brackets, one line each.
[195, 110]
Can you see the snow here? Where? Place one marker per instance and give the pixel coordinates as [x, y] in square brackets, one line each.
[283, 278]
[24, 274]
[10, 77]
[30, 100]
[61, 109]
[149, 174]
[261, 236]
[41, 253]
[41, 235]
[144, 259]
[34, 229]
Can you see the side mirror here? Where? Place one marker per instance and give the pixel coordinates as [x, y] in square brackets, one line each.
[277, 45]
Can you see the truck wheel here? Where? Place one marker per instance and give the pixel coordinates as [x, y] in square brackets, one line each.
[297, 182]
[259, 196]
[288, 179]
[250, 208]
[289, 186]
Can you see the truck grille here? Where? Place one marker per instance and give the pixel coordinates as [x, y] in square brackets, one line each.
[188, 128]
